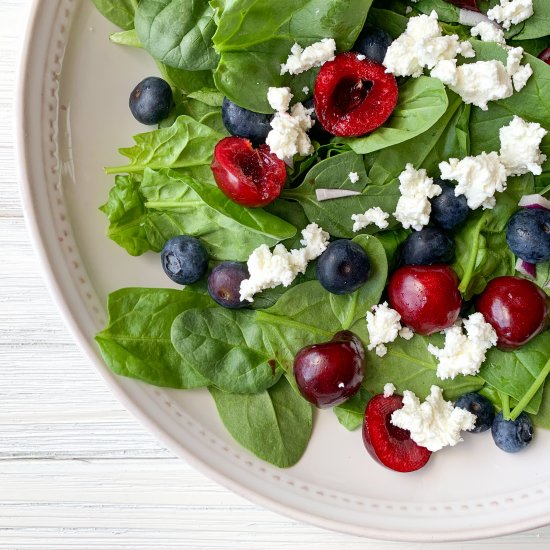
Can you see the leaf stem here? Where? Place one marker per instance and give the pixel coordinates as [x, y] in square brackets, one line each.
[530, 393]
[505, 401]
[469, 271]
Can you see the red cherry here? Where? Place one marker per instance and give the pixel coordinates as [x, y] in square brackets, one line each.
[248, 176]
[545, 55]
[328, 374]
[426, 297]
[516, 308]
[388, 444]
[466, 4]
[354, 96]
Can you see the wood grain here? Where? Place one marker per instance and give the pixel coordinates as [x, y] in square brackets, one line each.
[76, 471]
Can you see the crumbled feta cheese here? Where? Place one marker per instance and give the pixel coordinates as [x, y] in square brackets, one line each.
[288, 136]
[389, 389]
[435, 423]
[520, 73]
[511, 12]
[421, 46]
[361, 57]
[270, 269]
[383, 326]
[413, 207]
[353, 177]
[479, 178]
[488, 32]
[464, 353]
[445, 71]
[305, 89]
[279, 98]
[373, 215]
[513, 60]
[520, 147]
[302, 60]
[521, 76]
[406, 333]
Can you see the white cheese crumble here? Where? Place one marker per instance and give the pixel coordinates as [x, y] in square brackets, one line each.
[279, 98]
[435, 423]
[464, 353]
[353, 177]
[406, 333]
[305, 89]
[384, 326]
[521, 76]
[361, 57]
[301, 60]
[288, 136]
[389, 389]
[488, 32]
[373, 215]
[520, 147]
[413, 207]
[270, 269]
[479, 178]
[421, 46]
[511, 12]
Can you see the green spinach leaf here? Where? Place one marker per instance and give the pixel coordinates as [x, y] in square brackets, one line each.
[126, 38]
[538, 24]
[275, 425]
[119, 12]
[351, 413]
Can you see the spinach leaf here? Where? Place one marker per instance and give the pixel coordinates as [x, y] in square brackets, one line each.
[393, 23]
[119, 12]
[126, 38]
[543, 277]
[275, 425]
[534, 46]
[188, 82]
[538, 24]
[391, 241]
[352, 412]
[136, 342]
[445, 11]
[178, 33]
[422, 102]
[185, 143]
[254, 39]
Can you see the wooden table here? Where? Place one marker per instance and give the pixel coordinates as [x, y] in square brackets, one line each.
[76, 470]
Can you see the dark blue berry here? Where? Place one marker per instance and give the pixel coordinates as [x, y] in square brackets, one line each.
[247, 124]
[151, 100]
[448, 210]
[528, 235]
[343, 267]
[317, 132]
[373, 43]
[184, 259]
[428, 246]
[481, 407]
[512, 435]
[224, 284]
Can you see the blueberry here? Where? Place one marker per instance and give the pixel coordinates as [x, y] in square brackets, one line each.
[247, 124]
[374, 43]
[481, 407]
[151, 100]
[512, 435]
[224, 284]
[448, 210]
[184, 259]
[528, 235]
[317, 132]
[343, 267]
[428, 246]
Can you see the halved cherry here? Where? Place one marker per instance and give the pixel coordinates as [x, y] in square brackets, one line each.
[545, 55]
[354, 96]
[250, 177]
[466, 4]
[388, 444]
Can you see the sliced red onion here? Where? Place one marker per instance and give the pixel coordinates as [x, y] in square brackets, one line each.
[472, 18]
[526, 268]
[534, 201]
[328, 194]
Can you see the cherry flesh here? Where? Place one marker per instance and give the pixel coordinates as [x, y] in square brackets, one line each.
[327, 374]
[387, 444]
[426, 297]
[516, 308]
[250, 177]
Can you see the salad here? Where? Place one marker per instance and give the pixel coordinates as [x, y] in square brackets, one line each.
[354, 196]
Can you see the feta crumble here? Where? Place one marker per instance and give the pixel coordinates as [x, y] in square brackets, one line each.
[389, 389]
[511, 12]
[435, 423]
[488, 32]
[479, 178]
[305, 89]
[301, 60]
[383, 326]
[520, 147]
[353, 177]
[270, 269]
[279, 98]
[464, 353]
[413, 207]
[373, 215]
[521, 76]
[361, 57]
[288, 136]
[421, 46]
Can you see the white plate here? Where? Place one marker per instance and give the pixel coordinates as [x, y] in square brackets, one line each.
[72, 117]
